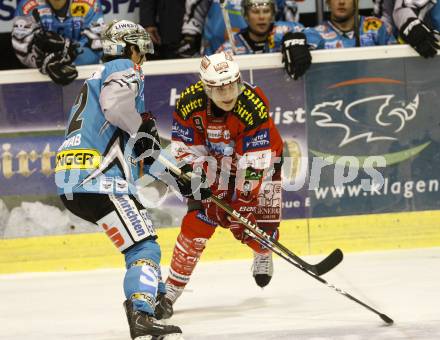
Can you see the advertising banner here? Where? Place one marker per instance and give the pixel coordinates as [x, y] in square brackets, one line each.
[373, 128]
[27, 165]
[359, 137]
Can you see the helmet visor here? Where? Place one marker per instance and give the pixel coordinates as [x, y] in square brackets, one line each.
[225, 96]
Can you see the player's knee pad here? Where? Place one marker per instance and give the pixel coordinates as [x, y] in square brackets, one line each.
[128, 224]
[143, 275]
[147, 249]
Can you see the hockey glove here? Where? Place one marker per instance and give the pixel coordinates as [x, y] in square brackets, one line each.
[237, 228]
[61, 72]
[194, 189]
[51, 42]
[296, 55]
[147, 140]
[189, 46]
[420, 37]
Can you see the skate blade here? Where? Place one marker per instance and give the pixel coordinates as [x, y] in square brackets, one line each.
[176, 336]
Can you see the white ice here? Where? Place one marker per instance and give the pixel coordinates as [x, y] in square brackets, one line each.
[223, 302]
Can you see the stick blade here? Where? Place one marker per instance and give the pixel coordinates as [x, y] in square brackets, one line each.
[386, 318]
[330, 262]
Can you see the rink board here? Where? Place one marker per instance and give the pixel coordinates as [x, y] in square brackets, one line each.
[304, 237]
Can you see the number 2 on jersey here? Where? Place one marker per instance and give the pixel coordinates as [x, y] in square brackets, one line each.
[78, 106]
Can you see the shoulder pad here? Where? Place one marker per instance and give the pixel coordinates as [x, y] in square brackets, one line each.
[371, 23]
[250, 107]
[192, 99]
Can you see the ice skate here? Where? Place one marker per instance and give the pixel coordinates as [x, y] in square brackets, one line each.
[164, 306]
[144, 327]
[262, 268]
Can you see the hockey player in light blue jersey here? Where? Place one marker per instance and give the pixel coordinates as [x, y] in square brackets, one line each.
[56, 35]
[203, 20]
[339, 31]
[111, 140]
[416, 21]
[265, 35]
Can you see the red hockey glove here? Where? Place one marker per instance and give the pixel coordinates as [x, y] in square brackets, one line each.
[215, 213]
[237, 228]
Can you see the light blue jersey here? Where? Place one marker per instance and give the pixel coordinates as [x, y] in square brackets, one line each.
[214, 30]
[105, 114]
[372, 32]
[82, 24]
[272, 44]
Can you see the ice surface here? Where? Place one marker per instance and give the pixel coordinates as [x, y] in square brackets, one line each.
[223, 302]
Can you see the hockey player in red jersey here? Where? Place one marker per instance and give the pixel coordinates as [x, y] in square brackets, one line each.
[226, 121]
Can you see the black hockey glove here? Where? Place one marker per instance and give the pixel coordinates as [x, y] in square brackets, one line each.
[51, 42]
[296, 55]
[420, 37]
[189, 46]
[195, 188]
[148, 143]
[60, 71]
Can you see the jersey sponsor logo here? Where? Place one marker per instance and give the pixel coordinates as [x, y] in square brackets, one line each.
[329, 35]
[191, 99]
[29, 6]
[251, 108]
[121, 185]
[83, 159]
[372, 24]
[72, 141]
[186, 109]
[79, 9]
[106, 185]
[214, 133]
[261, 139]
[114, 235]
[202, 217]
[225, 149]
[198, 122]
[183, 133]
[148, 221]
[131, 216]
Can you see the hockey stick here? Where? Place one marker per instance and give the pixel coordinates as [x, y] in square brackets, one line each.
[227, 21]
[318, 269]
[313, 270]
[356, 23]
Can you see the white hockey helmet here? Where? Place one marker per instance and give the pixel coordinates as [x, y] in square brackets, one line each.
[246, 4]
[119, 33]
[221, 79]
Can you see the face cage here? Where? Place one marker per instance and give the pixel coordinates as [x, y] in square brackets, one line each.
[141, 40]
